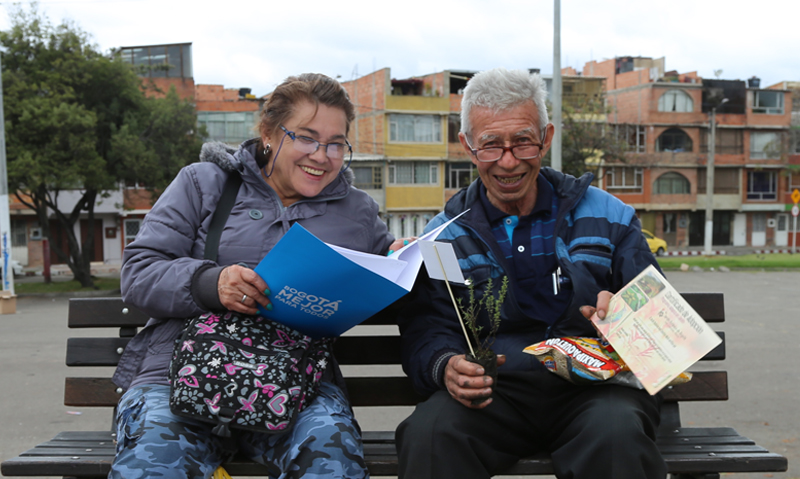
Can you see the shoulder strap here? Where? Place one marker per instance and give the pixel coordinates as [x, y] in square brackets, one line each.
[221, 213]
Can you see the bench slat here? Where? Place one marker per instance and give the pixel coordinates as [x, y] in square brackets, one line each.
[704, 386]
[103, 312]
[349, 350]
[95, 351]
[390, 391]
[710, 306]
[361, 350]
[90, 392]
[107, 312]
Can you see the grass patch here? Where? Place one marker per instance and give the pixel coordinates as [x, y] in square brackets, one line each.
[71, 286]
[773, 262]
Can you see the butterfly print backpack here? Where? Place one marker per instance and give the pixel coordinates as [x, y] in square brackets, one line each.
[248, 372]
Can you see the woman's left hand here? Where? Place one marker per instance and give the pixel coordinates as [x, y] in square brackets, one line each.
[242, 289]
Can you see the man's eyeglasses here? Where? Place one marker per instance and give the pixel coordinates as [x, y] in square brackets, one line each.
[525, 151]
[309, 146]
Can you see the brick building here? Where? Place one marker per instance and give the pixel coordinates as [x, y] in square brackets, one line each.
[665, 117]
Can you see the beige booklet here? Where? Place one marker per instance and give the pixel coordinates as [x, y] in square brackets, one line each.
[655, 331]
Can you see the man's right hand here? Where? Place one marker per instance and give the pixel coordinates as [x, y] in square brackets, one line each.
[466, 381]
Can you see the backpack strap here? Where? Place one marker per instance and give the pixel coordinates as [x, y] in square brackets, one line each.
[221, 213]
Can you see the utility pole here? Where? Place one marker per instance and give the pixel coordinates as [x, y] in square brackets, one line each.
[5, 220]
[555, 149]
[710, 180]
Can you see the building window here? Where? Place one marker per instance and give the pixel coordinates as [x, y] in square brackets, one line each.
[453, 128]
[368, 177]
[726, 181]
[674, 140]
[19, 232]
[759, 222]
[131, 228]
[676, 101]
[794, 181]
[227, 126]
[795, 138]
[160, 61]
[728, 142]
[769, 102]
[624, 180]
[634, 135]
[414, 173]
[764, 145]
[762, 185]
[672, 184]
[459, 175]
[415, 128]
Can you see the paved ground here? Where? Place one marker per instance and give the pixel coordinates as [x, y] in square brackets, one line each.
[761, 328]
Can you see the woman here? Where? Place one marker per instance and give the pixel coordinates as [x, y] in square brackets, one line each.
[292, 173]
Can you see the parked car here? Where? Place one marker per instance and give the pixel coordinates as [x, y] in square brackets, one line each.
[657, 245]
[16, 268]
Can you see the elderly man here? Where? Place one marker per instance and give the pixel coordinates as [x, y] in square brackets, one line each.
[531, 224]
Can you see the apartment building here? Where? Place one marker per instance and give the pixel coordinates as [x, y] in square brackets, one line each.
[665, 117]
[406, 140]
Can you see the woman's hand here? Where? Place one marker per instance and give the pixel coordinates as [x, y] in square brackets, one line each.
[399, 243]
[242, 289]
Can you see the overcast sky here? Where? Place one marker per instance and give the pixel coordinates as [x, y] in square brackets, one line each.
[257, 43]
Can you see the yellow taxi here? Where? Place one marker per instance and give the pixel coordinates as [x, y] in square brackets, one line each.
[657, 245]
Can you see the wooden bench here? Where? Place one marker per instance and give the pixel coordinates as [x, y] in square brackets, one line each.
[690, 452]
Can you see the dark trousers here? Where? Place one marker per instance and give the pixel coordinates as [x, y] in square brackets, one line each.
[592, 432]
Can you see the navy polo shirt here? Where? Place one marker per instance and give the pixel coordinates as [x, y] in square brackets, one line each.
[528, 244]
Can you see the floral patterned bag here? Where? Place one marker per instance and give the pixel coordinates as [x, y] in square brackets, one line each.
[247, 372]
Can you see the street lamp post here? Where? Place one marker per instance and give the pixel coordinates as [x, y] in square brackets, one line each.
[710, 180]
[555, 150]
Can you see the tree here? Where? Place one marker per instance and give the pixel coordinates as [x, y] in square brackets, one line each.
[586, 137]
[77, 120]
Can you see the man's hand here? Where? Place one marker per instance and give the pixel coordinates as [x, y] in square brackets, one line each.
[603, 298]
[465, 381]
[240, 289]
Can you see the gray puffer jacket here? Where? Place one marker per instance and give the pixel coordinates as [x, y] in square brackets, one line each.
[164, 273]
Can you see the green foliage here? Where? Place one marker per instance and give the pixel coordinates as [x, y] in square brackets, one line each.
[78, 120]
[470, 313]
[586, 137]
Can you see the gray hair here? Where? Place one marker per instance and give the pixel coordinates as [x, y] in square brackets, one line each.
[499, 89]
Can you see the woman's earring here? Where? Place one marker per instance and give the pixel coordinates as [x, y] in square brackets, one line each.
[267, 150]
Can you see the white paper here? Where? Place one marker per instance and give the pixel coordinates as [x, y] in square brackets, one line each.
[439, 255]
[400, 267]
[389, 268]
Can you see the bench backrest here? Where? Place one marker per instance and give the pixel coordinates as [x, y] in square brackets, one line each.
[383, 348]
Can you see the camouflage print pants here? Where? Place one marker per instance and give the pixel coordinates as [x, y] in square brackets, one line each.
[325, 441]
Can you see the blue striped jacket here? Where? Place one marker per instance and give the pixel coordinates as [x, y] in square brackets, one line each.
[599, 246]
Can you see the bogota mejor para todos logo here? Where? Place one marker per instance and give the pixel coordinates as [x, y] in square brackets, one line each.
[308, 303]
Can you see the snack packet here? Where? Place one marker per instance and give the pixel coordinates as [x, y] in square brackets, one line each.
[588, 361]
